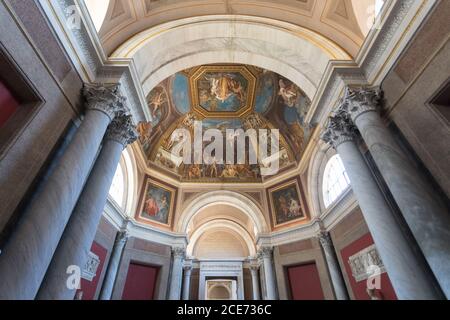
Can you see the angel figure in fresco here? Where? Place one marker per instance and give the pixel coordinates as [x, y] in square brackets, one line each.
[288, 93]
[151, 206]
[157, 101]
[144, 130]
[194, 172]
[224, 86]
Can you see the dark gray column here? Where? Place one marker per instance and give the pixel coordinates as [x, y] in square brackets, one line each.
[337, 280]
[177, 273]
[29, 251]
[113, 266]
[187, 280]
[266, 253]
[408, 278]
[254, 269]
[426, 215]
[76, 241]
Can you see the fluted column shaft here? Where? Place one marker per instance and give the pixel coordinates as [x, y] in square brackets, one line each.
[426, 215]
[269, 272]
[177, 273]
[255, 282]
[29, 250]
[187, 281]
[337, 280]
[405, 272]
[74, 246]
[113, 266]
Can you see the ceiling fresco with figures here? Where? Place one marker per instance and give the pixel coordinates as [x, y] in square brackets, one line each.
[224, 97]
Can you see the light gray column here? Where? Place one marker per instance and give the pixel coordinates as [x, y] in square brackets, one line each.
[177, 273]
[76, 241]
[254, 269]
[187, 281]
[113, 265]
[337, 280]
[408, 278]
[425, 213]
[29, 250]
[269, 273]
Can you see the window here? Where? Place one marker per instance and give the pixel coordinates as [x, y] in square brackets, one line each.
[117, 189]
[335, 180]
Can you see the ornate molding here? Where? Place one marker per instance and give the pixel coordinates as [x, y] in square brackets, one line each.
[90, 267]
[122, 130]
[339, 129]
[104, 98]
[366, 263]
[358, 101]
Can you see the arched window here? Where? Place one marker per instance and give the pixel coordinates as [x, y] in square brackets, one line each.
[117, 189]
[335, 180]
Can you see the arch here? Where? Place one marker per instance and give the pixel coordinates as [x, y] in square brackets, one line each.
[337, 21]
[230, 198]
[296, 53]
[222, 224]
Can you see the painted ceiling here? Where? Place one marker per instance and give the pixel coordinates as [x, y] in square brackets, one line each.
[224, 97]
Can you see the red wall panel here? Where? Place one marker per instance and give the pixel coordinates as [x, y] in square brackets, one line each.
[359, 288]
[140, 283]
[89, 287]
[8, 105]
[304, 282]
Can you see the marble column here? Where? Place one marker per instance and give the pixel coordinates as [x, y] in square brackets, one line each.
[28, 252]
[76, 241]
[187, 281]
[177, 273]
[254, 269]
[266, 254]
[424, 212]
[340, 290]
[405, 270]
[113, 266]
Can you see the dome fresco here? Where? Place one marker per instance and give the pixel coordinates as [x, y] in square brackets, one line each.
[224, 97]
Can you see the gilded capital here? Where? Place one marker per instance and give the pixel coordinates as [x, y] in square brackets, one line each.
[104, 98]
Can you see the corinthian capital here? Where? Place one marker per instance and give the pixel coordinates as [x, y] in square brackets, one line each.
[178, 252]
[324, 238]
[357, 101]
[104, 98]
[339, 129]
[265, 252]
[122, 130]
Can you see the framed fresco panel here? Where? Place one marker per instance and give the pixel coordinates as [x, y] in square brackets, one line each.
[286, 203]
[157, 203]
